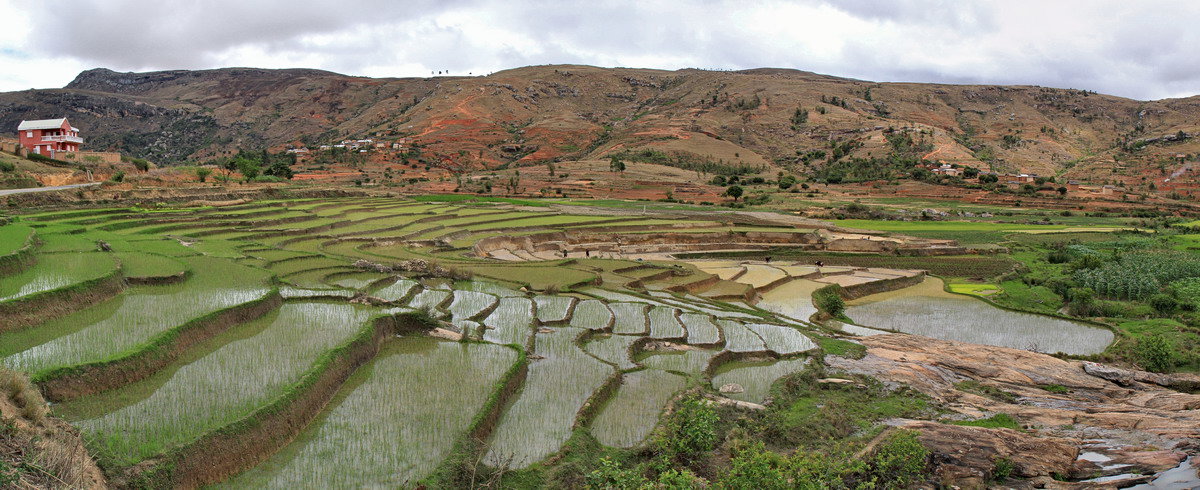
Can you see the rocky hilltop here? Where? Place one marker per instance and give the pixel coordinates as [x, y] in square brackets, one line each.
[771, 117]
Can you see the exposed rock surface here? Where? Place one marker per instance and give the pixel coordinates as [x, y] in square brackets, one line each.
[1128, 420]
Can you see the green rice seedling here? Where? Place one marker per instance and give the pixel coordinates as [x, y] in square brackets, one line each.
[470, 304]
[396, 291]
[700, 329]
[353, 280]
[664, 323]
[591, 314]
[293, 266]
[430, 299]
[554, 308]
[755, 377]
[629, 318]
[229, 383]
[292, 292]
[488, 287]
[700, 305]
[689, 362]
[613, 349]
[13, 236]
[55, 271]
[540, 420]
[632, 413]
[66, 242]
[738, 338]
[143, 265]
[275, 254]
[134, 318]
[782, 340]
[511, 322]
[161, 246]
[388, 428]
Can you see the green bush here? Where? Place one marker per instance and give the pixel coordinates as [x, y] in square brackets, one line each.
[689, 432]
[1002, 469]
[117, 177]
[900, 460]
[1155, 353]
[1163, 303]
[7, 167]
[754, 467]
[829, 300]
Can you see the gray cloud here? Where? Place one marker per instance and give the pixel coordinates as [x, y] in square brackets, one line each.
[1135, 49]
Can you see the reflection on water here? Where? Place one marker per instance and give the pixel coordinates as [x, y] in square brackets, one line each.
[926, 309]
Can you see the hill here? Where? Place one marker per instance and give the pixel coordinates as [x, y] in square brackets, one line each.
[799, 121]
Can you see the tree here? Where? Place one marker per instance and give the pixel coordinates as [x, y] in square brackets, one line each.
[616, 165]
[735, 191]
[202, 173]
[989, 178]
[786, 182]
[970, 172]
[249, 168]
[1062, 191]
[799, 118]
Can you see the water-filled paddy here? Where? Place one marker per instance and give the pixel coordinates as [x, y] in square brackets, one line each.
[54, 271]
[230, 382]
[792, 299]
[540, 420]
[134, 317]
[926, 309]
[388, 428]
[755, 377]
[634, 410]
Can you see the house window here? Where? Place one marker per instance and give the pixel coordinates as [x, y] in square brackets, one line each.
[29, 134]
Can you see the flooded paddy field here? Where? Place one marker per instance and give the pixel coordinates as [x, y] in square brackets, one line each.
[529, 353]
[926, 309]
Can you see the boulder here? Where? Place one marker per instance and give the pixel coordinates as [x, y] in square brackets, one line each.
[732, 388]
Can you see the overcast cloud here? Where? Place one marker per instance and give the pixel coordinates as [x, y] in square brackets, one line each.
[1144, 49]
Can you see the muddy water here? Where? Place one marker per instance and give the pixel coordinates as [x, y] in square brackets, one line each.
[792, 299]
[925, 309]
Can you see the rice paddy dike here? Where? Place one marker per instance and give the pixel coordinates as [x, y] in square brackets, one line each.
[367, 341]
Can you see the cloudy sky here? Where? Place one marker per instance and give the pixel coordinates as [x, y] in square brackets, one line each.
[1145, 49]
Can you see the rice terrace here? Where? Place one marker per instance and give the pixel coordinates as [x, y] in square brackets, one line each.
[381, 340]
[473, 245]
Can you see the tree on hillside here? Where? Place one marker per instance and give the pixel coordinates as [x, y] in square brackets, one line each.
[799, 118]
[202, 173]
[989, 178]
[734, 191]
[616, 165]
[249, 168]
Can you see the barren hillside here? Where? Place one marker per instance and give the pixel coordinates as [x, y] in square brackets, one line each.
[545, 113]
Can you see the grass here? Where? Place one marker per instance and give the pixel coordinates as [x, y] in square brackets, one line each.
[973, 288]
[972, 386]
[997, 421]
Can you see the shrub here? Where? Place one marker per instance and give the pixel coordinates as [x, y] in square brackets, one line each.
[1155, 353]
[690, 431]
[7, 167]
[1163, 303]
[900, 460]
[117, 177]
[754, 467]
[203, 173]
[829, 300]
[611, 475]
[1002, 469]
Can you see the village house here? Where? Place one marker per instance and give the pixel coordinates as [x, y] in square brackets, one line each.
[48, 136]
[947, 170]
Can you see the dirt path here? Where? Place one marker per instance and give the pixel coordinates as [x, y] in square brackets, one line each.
[9, 192]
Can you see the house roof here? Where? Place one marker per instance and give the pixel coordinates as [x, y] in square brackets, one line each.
[42, 124]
